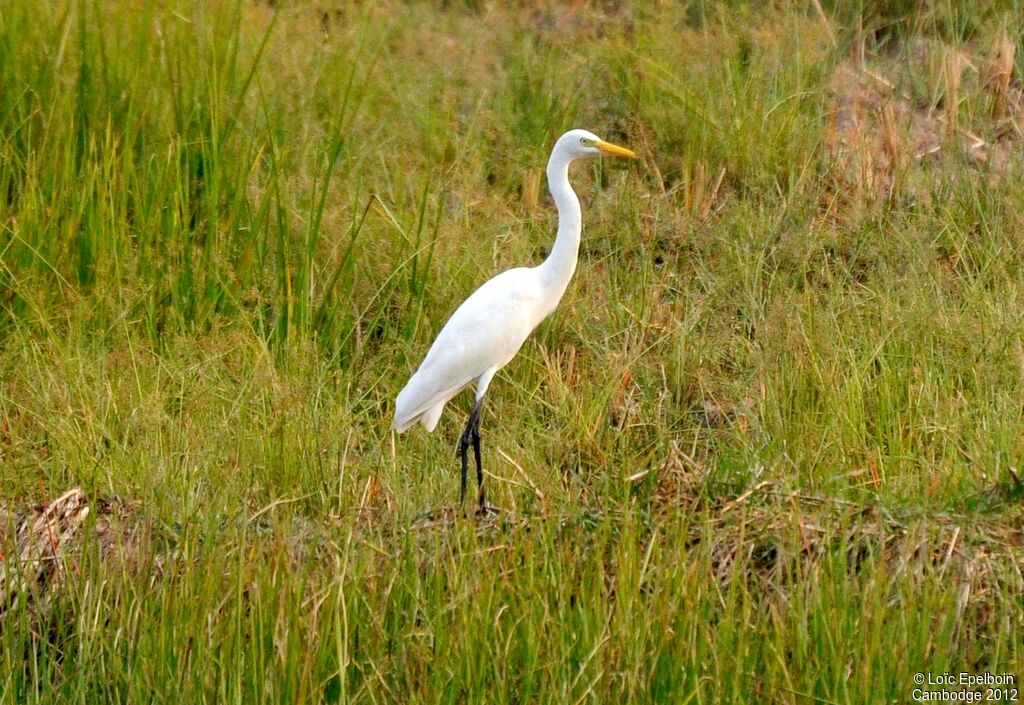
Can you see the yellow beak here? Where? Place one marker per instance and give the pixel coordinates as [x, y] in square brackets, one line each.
[609, 148]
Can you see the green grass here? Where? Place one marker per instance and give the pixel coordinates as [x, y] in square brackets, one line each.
[229, 232]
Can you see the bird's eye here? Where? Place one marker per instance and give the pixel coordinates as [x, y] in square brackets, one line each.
[584, 140]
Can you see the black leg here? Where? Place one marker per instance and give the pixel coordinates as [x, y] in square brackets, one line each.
[475, 438]
[471, 437]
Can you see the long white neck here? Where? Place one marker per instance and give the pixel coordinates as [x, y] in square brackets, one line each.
[558, 268]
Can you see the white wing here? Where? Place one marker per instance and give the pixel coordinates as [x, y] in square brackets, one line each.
[483, 334]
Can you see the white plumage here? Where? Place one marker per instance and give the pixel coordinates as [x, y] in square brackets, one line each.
[480, 338]
[488, 329]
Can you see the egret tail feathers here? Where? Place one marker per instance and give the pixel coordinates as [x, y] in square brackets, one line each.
[428, 411]
[428, 419]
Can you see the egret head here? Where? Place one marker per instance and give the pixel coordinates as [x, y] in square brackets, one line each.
[580, 143]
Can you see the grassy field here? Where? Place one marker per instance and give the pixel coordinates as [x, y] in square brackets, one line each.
[767, 449]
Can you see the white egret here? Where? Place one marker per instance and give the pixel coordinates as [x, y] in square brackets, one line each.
[488, 329]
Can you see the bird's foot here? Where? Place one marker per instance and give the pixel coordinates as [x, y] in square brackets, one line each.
[486, 509]
[482, 511]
